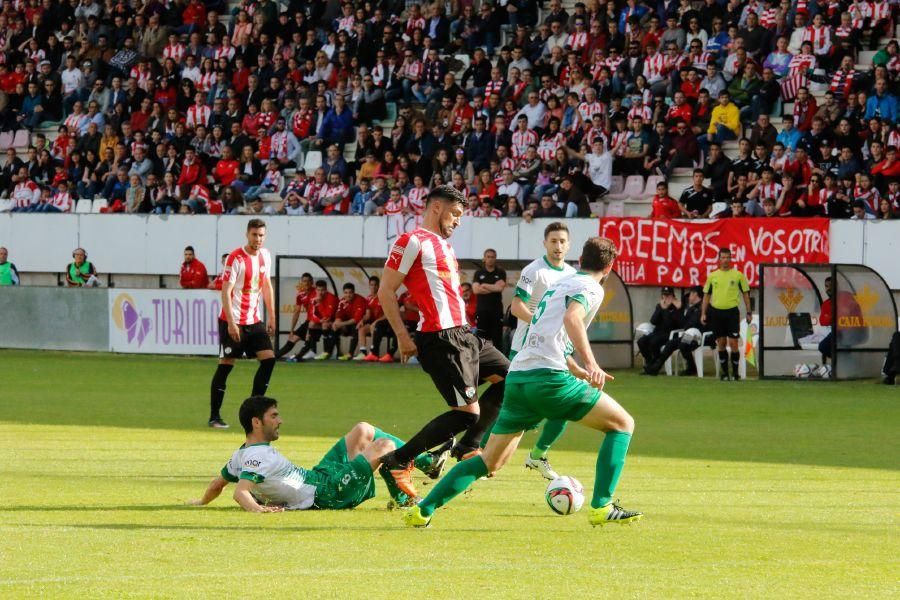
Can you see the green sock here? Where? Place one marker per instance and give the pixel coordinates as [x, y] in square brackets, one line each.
[453, 484]
[610, 461]
[422, 461]
[550, 432]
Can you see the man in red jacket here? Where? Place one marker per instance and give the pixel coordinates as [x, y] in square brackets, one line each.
[664, 206]
[192, 171]
[193, 272]
[850, 319]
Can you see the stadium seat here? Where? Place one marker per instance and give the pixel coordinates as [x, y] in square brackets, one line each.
[617, 184]
[20, 140]
[83, 207]
[615, 208]
[98, 204]
[634, 188]
[598, 209]
[6, 205]
[652, 182]
[312, 162]
[677, 187]
[391, 113]
[6, 139]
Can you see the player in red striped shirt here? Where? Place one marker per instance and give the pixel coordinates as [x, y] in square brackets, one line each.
[456, 359]
[246, 282]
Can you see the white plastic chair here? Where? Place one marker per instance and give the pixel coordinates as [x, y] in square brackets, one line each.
[652, 182]
[83, 207]
[615, 208]
[6, 205]
[598, 209]
[312, 162]
[634, 188]
[98, 204]
[617, 184]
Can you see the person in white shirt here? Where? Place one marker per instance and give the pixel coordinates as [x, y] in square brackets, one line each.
[534, 111]
[343, 479]
[545, 382]
[510, 187]
[599, 163]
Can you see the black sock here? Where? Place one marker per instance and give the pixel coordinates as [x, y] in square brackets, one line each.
[262, 377]
[439, 430]
[489, 403]
[329, 342]
[376, 340]
[735, 358]
[288, 346]
[723, 362]
[217, 391]
[311, 342]
[353, 342]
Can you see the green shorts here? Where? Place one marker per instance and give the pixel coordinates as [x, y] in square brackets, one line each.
[340, 482]
[532, 396]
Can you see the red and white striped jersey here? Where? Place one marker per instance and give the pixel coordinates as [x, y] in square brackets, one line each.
[248, 273]
[207, 80]
[790, 84]
[197, 115]
[642, 111]
[613, 63]
[767, 18]
[74, 122]
[594, 134]
[346, 23]
[395, 208]
[415, 198]
[842, 33]
[62, 201]
[413, 24]
[26, 193]
[279, 145]
[870, 197]
[412, 69]
[508, 163]
[879, 11]
[699, 61]
[769, 191]
[142, 77]
[894, 139]
[619, 142]
[226, 52]
[493, 87]
[654, 67]
[842, 82]
[548, 146]
[577, 41]
[521, 141]
[588, 110]
[820, 38]
[174, 51]
[432, 278]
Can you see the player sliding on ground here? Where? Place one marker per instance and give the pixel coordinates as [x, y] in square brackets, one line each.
[456, 359]
[269, 482]
[545, 382]
[534, 280]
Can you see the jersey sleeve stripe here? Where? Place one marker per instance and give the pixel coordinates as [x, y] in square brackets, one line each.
[579, 298]
[522, 294]
[251, 476]
[228, 476]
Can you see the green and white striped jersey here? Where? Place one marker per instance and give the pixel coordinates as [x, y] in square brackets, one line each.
[535, 279]
[546, 342]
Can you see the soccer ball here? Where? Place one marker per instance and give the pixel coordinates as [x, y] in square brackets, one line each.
[565, 495]
[804, 371]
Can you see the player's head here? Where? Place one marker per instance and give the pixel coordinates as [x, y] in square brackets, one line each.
[598, 255]
[349, 290]
[321, 288]
[490, 258]
[556, 241]
[188, 254]
[306, 281]
[829, 287]
[4, 253]
[466, 289]
[256, 233]
[374, 283]
[725, 258]
[443, 208]
[695, 294]
[223, 258]
[259, 415]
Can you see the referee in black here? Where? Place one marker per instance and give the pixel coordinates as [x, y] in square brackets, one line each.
[722, 293]
[488, 286]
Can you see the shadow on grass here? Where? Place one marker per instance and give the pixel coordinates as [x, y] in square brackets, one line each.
[752, 421]
[231, 528]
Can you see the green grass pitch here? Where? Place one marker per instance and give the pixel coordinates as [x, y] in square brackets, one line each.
[751, 489]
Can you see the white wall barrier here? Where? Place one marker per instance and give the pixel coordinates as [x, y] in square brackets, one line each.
[153, 245]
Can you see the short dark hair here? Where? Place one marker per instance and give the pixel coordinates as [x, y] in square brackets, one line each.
[598, 254]
[375, 279]
[446, 193]
[555, 226]
[255, 224]
[724, 250]
[349, 286]
[306, 276]
[254, 407]
[188, 248]
[321, 283]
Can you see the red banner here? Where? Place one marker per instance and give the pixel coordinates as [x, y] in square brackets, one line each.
[681, 253]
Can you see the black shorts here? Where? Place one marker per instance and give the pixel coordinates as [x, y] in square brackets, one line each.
[302, 330]
[724, 322]
[458, 361]
[253, 339]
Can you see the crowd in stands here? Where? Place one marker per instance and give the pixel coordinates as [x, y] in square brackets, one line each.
[533, 111]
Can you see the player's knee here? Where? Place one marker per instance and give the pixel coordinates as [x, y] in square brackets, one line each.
[623, 422]
[382, 446]
[365, 430]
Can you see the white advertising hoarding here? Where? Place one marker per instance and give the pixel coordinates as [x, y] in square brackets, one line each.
[164, 321]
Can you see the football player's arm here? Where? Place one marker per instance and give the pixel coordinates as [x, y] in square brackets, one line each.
[212, 492]
[745, 291]
[575, 369]
[243, 497]
[391, 280]
[227, 286]
[520, 310]
[295, 317]
[269, 299]
[573, 321]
